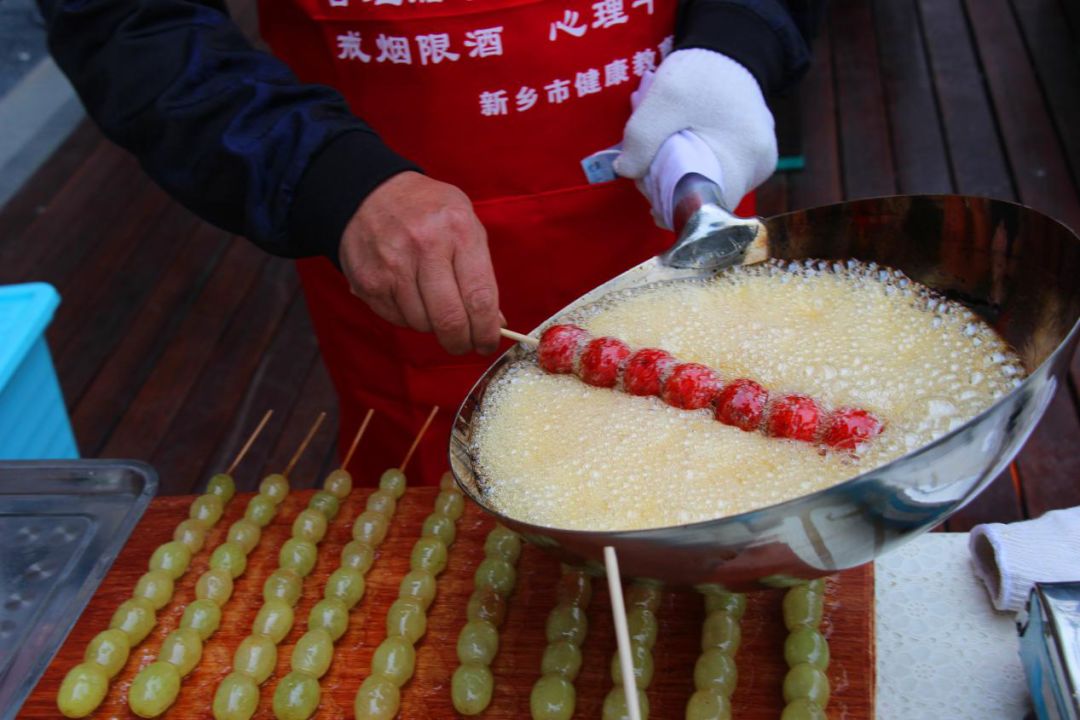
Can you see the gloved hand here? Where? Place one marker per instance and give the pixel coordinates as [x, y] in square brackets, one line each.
[720, 102]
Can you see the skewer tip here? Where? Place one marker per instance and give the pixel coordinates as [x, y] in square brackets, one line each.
[419, 436]
[622, 632]
[250, 441]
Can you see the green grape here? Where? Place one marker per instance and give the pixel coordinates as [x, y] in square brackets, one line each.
[441, 527]
[471, 688]
[642, 626]
[806, 645]
[382, 502]
[256, 656]
[806, 681]
[202, 616]
[83, 689]
[260, 510]
[154, 689]
[299, 556]
[567, 622]
[191, 534]
[369, 528]
[285, 585]
[420, 585]
[338, 483]
[296, 697]
[428, 554]
[716, 671]
[394, 659]
[486, 604]
[230, 557]
[646, 597]
[478, 642]
[721, 631]
[182, 649]
[803, 607]
[817, 586]
[357, 556]
[803, 709]
[346, 585]
[562, 658]
[274, 620]
[215, 585]
[330, 615]
[615, 705]
[734, 604]
[496, 574]
[450, 504]
[706, 705]
[446, 482]
[207, 509]
[275, 487]
[503, 543]
[575, 588]
[245, 533]
[223, 486]
[108, 650]
[393, 480]
[325, 503]
[640, 659]
[553, 698]
[136, 618]
[313, 653]
[377, 698]
[237, 698]
[309, 525]
[172, 557]
[156, 587]
[406, 619]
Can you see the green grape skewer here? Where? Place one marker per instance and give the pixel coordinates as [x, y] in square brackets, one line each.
[715, 673]
[553, 696]
[806, 651]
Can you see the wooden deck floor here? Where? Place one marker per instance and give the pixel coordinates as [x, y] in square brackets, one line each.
[173, 337]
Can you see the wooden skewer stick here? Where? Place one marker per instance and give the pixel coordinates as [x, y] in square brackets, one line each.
[356, 440]
[416, 440]
[250, 441]
[622, 633]
[518, 337]
[303, 446]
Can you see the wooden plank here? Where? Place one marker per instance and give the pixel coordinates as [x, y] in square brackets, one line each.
[921, 160]
[865, 151]
[848, 623]
[1000, 502]
[1033, 149]
[819, 183]
[1049, 464]
[975, 153]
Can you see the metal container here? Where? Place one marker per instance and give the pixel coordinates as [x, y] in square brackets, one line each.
[1015, 267]
[1050, 649]
[62, 524]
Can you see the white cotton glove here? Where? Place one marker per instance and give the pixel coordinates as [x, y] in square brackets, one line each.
[1011, 558]
[720, 102]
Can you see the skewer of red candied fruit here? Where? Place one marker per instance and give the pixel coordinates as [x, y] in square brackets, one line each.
[609, 362]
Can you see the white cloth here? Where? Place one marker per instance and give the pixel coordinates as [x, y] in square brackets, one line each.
[1011, 558]
[718, 100]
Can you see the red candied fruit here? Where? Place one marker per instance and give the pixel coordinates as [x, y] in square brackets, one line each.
[847, 427]
[558, 347]
[601, 360]
[690, 386]
[795, 417]
[742, 403]
[644, 371]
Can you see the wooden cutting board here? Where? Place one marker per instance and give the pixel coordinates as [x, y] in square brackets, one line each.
[849, 619]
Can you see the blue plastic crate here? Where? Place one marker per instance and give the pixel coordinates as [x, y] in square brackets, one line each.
[34, 422]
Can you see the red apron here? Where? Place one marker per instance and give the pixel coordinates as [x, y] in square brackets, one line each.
[502, 98]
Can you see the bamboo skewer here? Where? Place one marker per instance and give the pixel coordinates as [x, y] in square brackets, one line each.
[518, 337]
[250, 441]
[303, 446]
[356, 439]
[416, 440]
[622, 632]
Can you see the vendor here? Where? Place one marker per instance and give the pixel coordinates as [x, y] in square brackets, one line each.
[498, 101]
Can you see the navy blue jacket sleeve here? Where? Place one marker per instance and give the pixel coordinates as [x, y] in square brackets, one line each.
[223, 127]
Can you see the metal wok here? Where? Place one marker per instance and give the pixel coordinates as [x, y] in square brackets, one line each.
[1015, 267]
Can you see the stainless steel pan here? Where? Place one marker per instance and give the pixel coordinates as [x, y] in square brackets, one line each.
[1017, 268]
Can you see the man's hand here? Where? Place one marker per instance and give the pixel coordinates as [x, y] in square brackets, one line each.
[416, 253]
